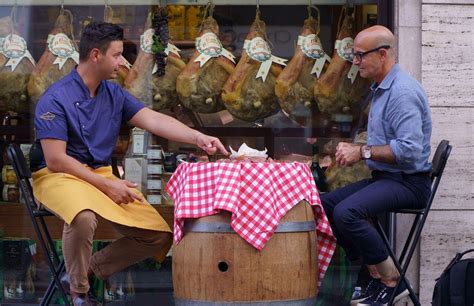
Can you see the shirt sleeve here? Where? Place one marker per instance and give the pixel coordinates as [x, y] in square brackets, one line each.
[405, 117]
[50, 119]
[131, 106]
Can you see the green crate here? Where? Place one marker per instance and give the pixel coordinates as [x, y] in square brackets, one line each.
[338, 282]
[97, 285]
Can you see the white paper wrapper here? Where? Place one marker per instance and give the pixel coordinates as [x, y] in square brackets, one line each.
[247, 152]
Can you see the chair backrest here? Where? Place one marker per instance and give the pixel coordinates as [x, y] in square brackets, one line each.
[23, 174]
[439, 161]
[440, 158]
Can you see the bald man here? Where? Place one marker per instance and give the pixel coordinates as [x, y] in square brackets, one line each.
[397, 152]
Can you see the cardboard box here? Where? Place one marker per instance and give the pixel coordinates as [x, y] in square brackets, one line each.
[136, 172]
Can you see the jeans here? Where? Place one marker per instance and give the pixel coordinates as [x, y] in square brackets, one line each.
[350, 208]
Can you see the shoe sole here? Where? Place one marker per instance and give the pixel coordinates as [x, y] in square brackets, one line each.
[402, 294]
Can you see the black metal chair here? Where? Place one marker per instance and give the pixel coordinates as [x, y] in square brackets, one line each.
[38, 215]
[438, 163]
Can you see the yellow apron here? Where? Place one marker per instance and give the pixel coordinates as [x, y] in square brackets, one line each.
[66, 196]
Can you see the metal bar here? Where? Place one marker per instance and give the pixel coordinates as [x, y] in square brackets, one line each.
[221, 227]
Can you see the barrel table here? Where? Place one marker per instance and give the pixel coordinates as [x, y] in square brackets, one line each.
[213, 265]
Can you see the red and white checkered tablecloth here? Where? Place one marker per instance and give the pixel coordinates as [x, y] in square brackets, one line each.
[257, 194]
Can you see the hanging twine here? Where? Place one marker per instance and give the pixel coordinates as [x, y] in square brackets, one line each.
[208, 12]
[13, 17]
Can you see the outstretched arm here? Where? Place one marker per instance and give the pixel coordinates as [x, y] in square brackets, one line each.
[170, 128]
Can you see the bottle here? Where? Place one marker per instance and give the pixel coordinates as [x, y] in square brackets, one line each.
[318, 173]
[357, 293]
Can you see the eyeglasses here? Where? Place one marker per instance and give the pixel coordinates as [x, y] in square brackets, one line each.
[359, 56]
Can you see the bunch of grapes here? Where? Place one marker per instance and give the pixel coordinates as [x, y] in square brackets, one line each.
[160, 39]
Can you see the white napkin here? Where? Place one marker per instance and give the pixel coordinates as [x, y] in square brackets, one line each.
[246, 152]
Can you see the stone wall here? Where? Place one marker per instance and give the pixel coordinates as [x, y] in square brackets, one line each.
[445, 66]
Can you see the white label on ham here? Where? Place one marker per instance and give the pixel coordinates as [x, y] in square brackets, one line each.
[14, 48]
[311, 46]
[258, 49]
[146, 40]
[352, 74]
[209, 46]
[61, 46]
[173, 49]
[344, 48]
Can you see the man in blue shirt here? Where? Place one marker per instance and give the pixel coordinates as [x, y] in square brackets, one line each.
[77, 122]
[397, 152]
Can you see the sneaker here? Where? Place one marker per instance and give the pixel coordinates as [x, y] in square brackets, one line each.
[384, 294]
[362, 294]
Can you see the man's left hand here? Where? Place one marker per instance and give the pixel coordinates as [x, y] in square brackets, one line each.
[347, 154]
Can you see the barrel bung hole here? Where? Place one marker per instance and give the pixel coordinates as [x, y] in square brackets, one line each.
[223, 266]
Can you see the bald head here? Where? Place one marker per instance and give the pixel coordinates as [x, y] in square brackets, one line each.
[376, 36]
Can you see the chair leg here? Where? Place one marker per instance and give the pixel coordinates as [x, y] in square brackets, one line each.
[55, 284]
[401, 271]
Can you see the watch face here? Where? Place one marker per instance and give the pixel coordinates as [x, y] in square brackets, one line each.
[366, 153]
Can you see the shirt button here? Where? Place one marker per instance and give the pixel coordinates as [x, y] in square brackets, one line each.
[83, 126]
[77, 103]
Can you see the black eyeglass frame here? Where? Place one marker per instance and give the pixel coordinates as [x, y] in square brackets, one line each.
[360, 55]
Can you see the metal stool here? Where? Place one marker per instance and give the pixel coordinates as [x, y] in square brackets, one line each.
[438, 163]
[38, 215]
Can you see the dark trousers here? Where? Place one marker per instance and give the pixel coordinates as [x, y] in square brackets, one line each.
[349, 209]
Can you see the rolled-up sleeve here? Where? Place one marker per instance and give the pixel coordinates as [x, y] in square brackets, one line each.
[405, 115]
[50, 120]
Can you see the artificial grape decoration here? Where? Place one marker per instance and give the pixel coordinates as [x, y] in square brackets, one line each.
[160, 39]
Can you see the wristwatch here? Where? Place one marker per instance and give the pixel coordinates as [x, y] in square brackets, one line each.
[366, 152]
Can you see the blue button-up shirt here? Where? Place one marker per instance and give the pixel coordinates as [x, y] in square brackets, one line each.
[400, 116]
[90, 126]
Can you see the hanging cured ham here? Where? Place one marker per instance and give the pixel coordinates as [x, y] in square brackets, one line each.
[295, 85]
[340, 89]
[16, 65]
[158, 92]
[123, 69]
[58, 59]
[199, 85]
[249, 93]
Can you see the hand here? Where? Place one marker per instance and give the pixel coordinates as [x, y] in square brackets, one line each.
[210, 144]
[121, 192]
[347, 154]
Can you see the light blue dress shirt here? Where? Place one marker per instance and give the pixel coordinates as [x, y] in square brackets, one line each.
[400, 116]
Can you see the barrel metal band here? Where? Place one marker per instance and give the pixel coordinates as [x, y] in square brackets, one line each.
[221, 227]
[305, 302]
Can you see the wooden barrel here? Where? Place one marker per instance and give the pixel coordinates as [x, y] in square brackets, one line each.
[212, 265]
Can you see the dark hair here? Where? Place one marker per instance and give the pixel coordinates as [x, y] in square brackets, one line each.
[98, 35]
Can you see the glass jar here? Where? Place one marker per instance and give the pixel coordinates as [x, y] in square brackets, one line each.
[155, 152]
[8, 175]
[155, 166]
[153, 182]
[11, 193]
[154, 197]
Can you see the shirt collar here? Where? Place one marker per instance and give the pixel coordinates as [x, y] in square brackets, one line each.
[388, 80]
[75, 75]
